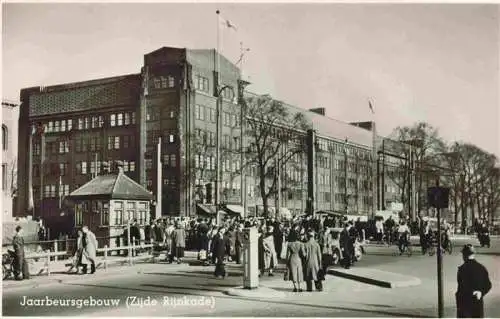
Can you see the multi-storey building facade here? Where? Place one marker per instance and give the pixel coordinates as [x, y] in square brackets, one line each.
[10, 117]
[68, 133]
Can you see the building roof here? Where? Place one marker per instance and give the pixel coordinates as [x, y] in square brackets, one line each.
[112, 186]
[331, 128]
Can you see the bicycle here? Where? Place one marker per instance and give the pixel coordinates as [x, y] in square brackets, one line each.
[404, 246]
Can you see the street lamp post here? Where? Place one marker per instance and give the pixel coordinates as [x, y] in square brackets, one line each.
[218, 103]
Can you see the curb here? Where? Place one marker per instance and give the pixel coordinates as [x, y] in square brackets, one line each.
[371, 279]
[259, 292]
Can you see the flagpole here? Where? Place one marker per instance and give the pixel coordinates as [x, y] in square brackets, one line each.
[31, 205]
[217, 114]
[158, 181]
[375, 185]
[42, 169]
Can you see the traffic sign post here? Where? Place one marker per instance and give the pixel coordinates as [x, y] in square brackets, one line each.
[438, 197]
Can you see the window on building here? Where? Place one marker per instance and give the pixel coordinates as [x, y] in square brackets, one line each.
[63, 147]
[120, 119]
[50, 127]
[132, 166]
[149, 163]
[79, 215]
[112, 120]
[105, 214]
[117, 142]
[201, 83]
[87, 123]
[157, 83]
[199, 112]
[84, 168]
[211, 115]
[228, 93]
[173, 160]
[171, 81]
[56, 126]
[171, 138]
[5, 138]
[63, 126]
[118, 214]
[171, 114]
[80, 124]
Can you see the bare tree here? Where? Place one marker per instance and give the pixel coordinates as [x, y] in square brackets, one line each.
[275, 135]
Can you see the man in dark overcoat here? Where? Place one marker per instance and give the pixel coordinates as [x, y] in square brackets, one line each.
[20, 264]
[347, 245]
[473, 284]
[219, 251]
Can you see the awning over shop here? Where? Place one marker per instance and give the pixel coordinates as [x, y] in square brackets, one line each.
[205, 209]
[235, 209]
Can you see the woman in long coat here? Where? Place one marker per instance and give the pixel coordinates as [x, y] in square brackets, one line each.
[260, 245]
[312, 263]
[327, 249]
[179, 242]
[270, 256]
[89, 249]
[294, 254]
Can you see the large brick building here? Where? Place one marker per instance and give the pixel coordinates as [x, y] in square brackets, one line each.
[10, 114]
[77, 129]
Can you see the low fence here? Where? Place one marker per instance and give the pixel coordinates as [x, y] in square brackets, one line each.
[59, 255]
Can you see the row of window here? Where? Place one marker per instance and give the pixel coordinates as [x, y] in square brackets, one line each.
[205, 137]
[89, 122]
[164, 82]
[118, 217]
[50, 191]
[153, 113]
[169, 160]
[205, 113]
[153, 136]
[84, 167]
[231, 142]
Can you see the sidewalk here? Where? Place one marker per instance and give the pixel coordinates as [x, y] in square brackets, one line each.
[114, 270]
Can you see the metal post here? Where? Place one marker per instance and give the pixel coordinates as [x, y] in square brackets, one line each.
[346, 200]
[105, 257]
[439, 262]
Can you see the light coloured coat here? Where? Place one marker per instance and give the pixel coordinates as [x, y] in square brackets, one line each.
[90, 249]
[270, 257]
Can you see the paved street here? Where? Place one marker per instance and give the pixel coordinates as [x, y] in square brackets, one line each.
[341, 298]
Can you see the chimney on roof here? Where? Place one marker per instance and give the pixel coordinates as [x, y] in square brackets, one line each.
[318, 110]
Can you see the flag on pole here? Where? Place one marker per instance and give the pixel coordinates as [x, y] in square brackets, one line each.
[371, 106]
[225, 22]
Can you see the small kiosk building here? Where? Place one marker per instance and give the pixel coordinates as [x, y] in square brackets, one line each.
[107, 203]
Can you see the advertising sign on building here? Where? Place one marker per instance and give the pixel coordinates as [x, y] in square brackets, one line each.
[397, 207]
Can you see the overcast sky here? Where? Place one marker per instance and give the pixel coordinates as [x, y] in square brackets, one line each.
[417, 62]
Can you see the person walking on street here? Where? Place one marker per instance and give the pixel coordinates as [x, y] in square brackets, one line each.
[168, 242]
[238, 243]
[89, 243]
[179, 242]
[312, 261]
[270, 256]
[20, 265]
[79, 251]
[135, 236]
[347, 246]
[219, 251]
[473, 284]
[295, 253]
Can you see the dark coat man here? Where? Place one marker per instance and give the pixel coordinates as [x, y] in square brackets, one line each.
[219, 251]
[20, 265]
[135, 233]
[238, 243]
[347, 237]
[473, 284]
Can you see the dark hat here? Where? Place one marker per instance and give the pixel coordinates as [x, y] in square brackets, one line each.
[468, 250]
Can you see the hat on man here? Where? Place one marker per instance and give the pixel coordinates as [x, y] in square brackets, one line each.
[468, 250]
